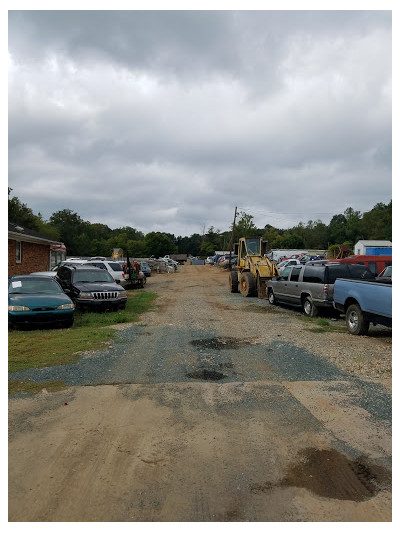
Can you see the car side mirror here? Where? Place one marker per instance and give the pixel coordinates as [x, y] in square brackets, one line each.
[117, 281]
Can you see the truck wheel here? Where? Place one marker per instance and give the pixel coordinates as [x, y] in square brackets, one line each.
[355, 320]
[309, 307]
[233, 281]
[247, 284]
[271, 297]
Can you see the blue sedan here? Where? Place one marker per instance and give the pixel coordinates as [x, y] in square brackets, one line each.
[38, 300]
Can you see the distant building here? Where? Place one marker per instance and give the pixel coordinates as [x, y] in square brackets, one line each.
[29, 251]
[373, 248]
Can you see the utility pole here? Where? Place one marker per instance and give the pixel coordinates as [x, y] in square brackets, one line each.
[231, 243]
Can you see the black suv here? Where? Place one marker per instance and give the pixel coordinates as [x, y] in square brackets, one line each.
[91, 287]
[311, 285]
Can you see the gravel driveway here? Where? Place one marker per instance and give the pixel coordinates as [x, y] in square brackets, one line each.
[213, 408]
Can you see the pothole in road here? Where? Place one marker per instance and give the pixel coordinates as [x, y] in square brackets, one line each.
[220, 343]
[331, 474]
[205, 374]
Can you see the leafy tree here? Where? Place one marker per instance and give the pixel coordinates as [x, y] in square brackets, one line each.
[377, 223]
[337, 229]
[20, 213]
[245, 226]
[70, 226]
[158, 244]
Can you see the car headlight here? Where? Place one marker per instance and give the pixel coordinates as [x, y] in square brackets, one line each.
[18, 308]
[86, 295]
[122, 294]
[66, 306]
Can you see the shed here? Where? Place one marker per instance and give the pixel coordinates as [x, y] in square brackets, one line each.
[373, 248]
[29, 251]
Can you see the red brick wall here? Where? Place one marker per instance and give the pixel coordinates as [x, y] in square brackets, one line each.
[35, 258]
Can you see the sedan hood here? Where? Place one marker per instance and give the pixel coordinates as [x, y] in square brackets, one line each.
[39, 300]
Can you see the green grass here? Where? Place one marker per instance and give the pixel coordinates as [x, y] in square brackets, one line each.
[322, 325]
[51, 347]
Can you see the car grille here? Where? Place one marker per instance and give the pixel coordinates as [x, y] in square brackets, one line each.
[105, 295]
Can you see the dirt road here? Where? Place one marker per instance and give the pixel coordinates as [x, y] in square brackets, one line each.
[214, 408]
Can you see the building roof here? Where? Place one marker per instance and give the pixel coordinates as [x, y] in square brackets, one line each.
[17, 232]
[374, 243]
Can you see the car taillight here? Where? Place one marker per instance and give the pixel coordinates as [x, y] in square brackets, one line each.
[325, 289]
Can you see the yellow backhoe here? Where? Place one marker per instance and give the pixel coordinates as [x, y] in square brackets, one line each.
[253, 268]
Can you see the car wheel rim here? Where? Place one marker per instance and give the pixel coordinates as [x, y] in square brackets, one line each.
[353, 320]
[307, 307]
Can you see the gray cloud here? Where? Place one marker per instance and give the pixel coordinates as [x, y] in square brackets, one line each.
[166, 120]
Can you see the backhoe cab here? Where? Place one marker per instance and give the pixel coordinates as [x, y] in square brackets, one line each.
[253, 269]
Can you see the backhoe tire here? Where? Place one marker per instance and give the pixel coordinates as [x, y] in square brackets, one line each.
[355, 321]
[309, 307]
[271, 297]
[233, 281]
[247, 284]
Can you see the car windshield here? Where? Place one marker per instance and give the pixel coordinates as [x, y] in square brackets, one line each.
[93, 276]
[253, 246]
[34, 286]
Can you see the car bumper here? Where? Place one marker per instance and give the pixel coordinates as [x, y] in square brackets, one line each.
[101, 305]
[41, 317]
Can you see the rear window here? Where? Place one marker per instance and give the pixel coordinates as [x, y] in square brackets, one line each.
[313, 274]
[116, 267]
[349, 271]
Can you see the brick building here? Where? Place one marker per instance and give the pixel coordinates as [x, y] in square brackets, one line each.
[28, 251]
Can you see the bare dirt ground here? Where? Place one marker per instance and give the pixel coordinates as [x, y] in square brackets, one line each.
[217, 408]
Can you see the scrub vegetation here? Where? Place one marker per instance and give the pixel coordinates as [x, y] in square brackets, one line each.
[50, 347]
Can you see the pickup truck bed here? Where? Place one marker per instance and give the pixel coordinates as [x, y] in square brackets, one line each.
[363, 302]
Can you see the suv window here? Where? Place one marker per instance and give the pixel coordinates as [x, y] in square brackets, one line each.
[349, 271]
[99, 265]
[116, 267]
[64, 274]
[295, 273]
[313, 274]
[285, 274]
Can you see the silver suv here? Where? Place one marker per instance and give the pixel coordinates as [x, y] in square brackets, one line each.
[311, 286]
[112, 267]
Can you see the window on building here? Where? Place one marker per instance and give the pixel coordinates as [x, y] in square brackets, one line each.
[18, 251]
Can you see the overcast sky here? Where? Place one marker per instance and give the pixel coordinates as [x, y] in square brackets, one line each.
[167, 120]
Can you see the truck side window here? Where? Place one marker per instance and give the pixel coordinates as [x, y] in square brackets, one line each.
[295, 274]
[373, 268]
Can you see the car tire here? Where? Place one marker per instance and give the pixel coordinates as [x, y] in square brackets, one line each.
[233, 281]
[309, 308]
[247, 284]
[355, 320]
[271, 297]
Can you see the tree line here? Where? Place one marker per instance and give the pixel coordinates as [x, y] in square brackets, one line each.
[83, 238]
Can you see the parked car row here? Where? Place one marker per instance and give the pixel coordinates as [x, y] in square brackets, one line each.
[221, 260]
[51, 297]
[312, 287]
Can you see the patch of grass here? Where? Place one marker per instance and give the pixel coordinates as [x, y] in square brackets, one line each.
[52, 347]
[17, 386]
[252, 308]
[321, 325]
